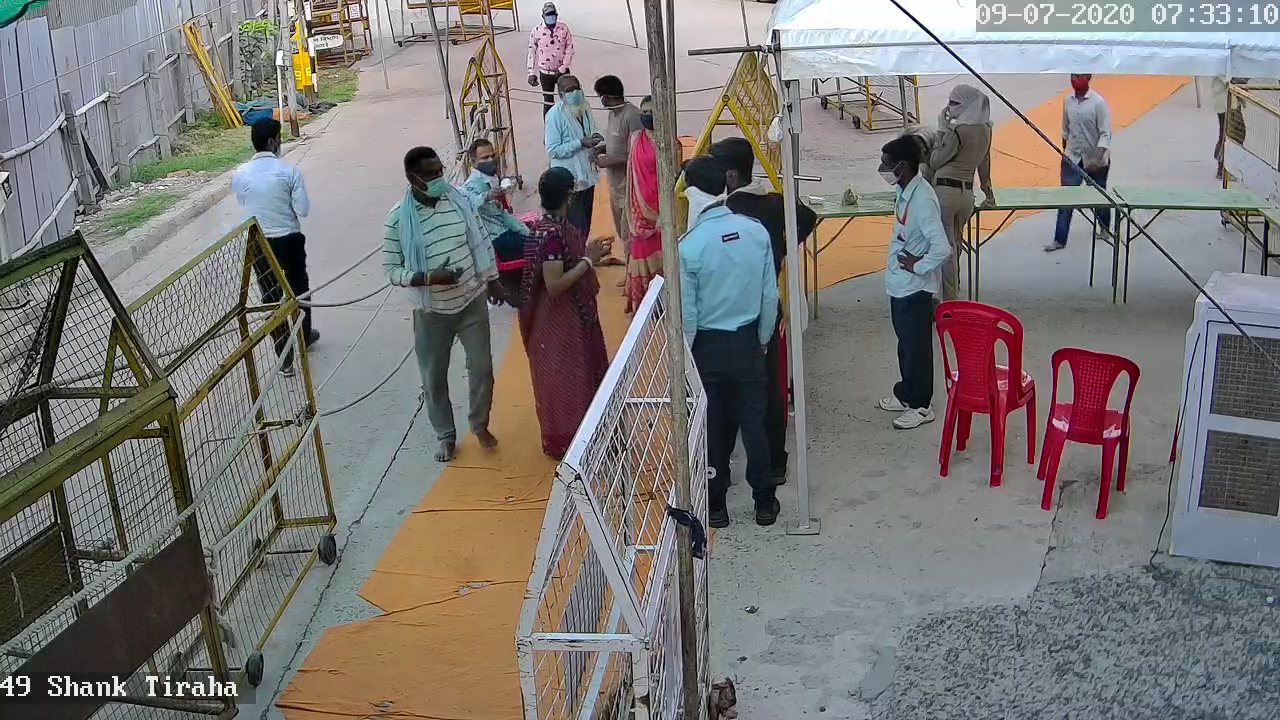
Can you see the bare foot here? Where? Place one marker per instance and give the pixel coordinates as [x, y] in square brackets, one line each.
[446, 451]
[487, 440]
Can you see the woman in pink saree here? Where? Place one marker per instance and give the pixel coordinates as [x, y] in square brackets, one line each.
[645, 261]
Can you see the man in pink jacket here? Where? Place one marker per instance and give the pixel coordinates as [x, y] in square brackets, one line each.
[550, 54]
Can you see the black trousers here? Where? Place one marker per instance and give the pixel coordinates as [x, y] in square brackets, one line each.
[775, 422]
[582, 205]
[291, 252]
[913, 324]
[548, 83]
[732, 368]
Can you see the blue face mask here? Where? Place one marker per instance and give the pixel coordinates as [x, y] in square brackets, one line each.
[550, 20]
[575, 98]
[489, 167]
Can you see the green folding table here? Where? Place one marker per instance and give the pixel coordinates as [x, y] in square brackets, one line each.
[1009, 200]
[832, 207]
[1235, 203]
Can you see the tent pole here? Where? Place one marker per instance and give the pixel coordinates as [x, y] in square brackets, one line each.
[664, 132]
[449, 110]
[382, 49]
[805, 524]
[635, 38]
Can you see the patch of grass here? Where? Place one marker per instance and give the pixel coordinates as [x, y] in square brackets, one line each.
[204, 146]
[141, 210]
[339, 85]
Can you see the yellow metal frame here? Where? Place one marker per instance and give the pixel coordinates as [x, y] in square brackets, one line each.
[215, 79]
[461, 31]
[237, 322]
[144, 409]
[751, 100]
[486, 92]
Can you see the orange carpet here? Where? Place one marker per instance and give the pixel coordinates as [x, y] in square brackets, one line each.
[452, 580]
[1019, 159]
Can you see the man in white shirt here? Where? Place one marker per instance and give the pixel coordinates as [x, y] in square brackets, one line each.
[1086, 139]
[273, 191]
[912, 278]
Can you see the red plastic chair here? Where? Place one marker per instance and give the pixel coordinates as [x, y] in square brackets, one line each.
[978, 383]
[1087, 419]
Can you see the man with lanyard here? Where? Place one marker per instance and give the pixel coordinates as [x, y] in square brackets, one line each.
[550, 54]
[624, 119]
[272, 190]
[1086, 139]
[571, 140]
[730, 296]
[756, 199]
[912, 278]
[434, 245]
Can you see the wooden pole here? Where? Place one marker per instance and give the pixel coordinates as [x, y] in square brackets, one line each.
[115, 132]
[150, 88]
[664, 131]
[75, 147]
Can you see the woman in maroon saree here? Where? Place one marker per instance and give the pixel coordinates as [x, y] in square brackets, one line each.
[559, 319]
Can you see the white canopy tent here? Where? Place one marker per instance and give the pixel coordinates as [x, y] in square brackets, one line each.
[812, 39]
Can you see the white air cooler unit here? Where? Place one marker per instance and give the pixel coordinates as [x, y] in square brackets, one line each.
[1228, 501]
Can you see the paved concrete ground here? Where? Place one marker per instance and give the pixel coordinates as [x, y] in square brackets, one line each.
[379, 452]
[929, 597]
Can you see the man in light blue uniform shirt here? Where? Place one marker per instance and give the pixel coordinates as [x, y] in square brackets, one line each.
[272, 190]
[912, 277]
[730, 296]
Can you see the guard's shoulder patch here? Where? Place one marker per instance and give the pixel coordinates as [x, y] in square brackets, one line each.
[729, 237]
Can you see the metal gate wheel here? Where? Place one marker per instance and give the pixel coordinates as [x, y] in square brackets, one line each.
[823, 102]
[857, 122]
[328, 549]
[253, 668]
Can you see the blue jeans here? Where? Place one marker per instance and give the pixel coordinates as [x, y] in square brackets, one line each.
[1073, 174]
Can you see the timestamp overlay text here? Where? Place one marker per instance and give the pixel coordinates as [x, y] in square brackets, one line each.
[1126, 17]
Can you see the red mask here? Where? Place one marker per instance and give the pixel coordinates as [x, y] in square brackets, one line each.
[1080, 83]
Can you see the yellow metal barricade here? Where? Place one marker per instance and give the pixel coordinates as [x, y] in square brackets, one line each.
[99, 548]
[485, 103]
[225, 322]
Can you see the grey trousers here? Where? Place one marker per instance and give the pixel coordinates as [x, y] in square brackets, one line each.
[957, 206]
[433, 336]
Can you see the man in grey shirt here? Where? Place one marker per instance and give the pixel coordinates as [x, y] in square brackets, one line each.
[1086, 139]
[624, 119]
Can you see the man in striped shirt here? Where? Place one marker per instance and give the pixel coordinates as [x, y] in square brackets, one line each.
[434, 245]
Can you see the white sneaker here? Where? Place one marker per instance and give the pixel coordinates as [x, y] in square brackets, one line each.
[913, 418]
[1053, 246]
[891, 404]
[1102, 234]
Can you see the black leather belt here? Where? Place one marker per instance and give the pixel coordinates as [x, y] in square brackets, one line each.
[948, 182]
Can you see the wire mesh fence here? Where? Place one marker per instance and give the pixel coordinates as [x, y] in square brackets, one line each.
[267, 510]
[93, 494]
[599, 633]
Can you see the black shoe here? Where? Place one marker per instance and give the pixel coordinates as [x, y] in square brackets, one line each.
[718, 518]
[767, 512]
[313, 337]
[779, 476]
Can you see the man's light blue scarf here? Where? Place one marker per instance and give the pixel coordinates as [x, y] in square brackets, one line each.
[415, 246]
